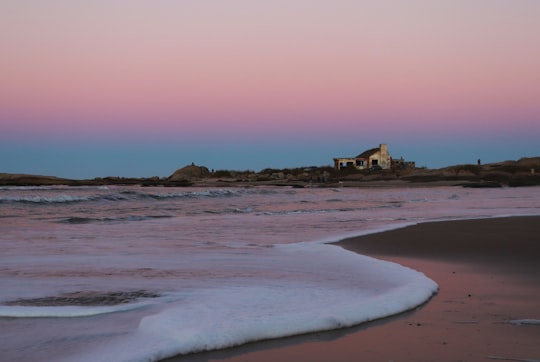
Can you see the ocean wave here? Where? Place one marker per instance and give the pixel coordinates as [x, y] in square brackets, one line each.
[44, 199]
[124, 195]
[191, 194]
[528, 321]
[90, 220]
[246, 210]
[330, 210]
[226, 316]
[35, 188]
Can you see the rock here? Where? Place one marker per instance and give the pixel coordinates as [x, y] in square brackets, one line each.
[529, 162]
[7, 179]
[191, 172]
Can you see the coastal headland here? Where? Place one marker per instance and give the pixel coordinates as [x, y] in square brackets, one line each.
[523, 172]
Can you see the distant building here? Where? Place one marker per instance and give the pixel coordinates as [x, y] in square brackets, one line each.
[375, 157]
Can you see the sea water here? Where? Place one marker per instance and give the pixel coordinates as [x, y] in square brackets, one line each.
[140, 274]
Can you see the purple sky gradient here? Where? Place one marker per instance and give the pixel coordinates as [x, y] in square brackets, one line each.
[138, 88]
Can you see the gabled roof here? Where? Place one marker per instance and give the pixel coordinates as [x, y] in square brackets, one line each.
[368, 153]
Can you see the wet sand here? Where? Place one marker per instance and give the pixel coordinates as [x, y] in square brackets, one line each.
[488, 273]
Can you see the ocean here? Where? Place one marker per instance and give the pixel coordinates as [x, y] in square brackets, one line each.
[140, 274]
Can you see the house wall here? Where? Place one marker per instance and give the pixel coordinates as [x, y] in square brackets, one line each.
[340, 163]
[385, 160]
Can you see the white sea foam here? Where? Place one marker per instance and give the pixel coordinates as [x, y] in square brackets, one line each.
[351, 289]
[43, 199]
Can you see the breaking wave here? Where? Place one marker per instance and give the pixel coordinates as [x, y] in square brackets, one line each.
[90, 220]
[121, 195]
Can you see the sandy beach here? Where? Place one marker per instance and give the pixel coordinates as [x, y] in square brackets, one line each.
[489, 279]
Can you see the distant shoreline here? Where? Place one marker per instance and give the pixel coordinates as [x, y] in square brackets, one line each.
[36, 180]
[523, 172]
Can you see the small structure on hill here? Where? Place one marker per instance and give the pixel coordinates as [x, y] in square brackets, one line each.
[378, 157]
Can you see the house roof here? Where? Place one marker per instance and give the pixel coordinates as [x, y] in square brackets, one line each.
[368, 153]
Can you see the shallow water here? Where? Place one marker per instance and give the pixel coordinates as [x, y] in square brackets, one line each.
[201, 269]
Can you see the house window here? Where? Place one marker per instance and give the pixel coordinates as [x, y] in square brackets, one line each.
[374, 162]
[360, 163]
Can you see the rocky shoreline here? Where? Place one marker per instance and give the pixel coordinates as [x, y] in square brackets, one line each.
[522, 172]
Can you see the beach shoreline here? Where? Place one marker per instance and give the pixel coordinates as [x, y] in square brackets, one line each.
[488, 274]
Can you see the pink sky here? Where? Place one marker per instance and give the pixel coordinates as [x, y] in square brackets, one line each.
[267, 68]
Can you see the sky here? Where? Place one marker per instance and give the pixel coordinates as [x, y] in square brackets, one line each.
[140, 88]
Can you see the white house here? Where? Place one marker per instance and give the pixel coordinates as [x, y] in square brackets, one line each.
[374, 157]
